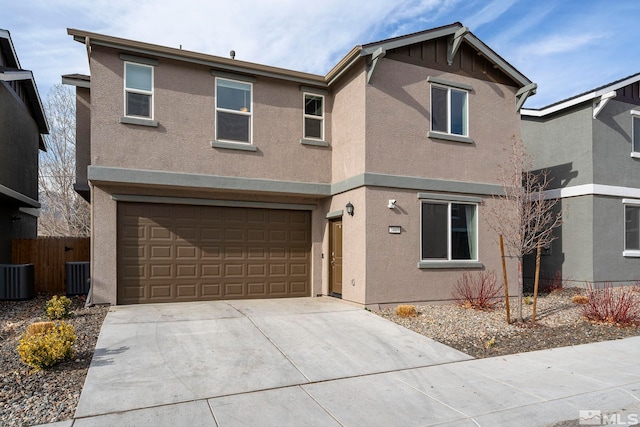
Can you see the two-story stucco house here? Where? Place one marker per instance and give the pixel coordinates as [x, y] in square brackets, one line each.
[215, 178]
[22, 126]
[591, 145]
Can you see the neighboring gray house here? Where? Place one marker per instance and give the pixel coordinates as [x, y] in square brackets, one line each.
[22, 124]
[591, 145]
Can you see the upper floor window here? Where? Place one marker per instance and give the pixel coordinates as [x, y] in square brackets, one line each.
[635, 134]
[233, 110]
[449, 110]
[138, 87]
[449, 231]
[631, 227]
[313, 116]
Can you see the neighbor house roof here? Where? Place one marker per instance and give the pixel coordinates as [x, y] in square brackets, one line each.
[372, 51]
[599, 95]
[13, 72]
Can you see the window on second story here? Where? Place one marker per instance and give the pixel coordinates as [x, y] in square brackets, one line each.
[138, 84]
[233, 110]
[449, 231]
[635, 136]
[313, 116]
[449, 110]
[631, 227]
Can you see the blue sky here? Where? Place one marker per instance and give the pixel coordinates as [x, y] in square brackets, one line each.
[566, 46]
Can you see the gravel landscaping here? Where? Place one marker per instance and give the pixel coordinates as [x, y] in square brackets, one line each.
[29, 398]
[559, 323]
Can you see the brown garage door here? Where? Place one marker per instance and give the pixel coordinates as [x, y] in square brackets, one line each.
[172, 253]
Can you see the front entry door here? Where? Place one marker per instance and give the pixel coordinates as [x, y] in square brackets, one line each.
[335, 258]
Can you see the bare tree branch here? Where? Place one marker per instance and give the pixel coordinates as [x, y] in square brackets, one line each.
[63, 212]
[524, 216]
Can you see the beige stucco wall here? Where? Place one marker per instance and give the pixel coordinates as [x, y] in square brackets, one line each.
[184, 106]
[349, 125]
[398, 121]
[392, 272]
[104, 232]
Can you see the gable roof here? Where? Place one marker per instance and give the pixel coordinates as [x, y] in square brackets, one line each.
[601, 93]
[13, 72]
[457, 30]
[369, 51]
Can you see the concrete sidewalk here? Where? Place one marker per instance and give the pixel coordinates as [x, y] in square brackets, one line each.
[320, 361]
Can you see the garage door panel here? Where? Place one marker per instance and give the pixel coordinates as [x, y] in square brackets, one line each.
[158, 291]
[185, 253]
[233, 252]
[211, 290]
[160, 271]
[210, 271]
[234, 289]
[157, 232]
[160, 251]
[188, 271]
[188, 291]
[257, 289]
[210, 234]
[210, 253]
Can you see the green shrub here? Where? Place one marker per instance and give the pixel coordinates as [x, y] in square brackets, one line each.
[58, 308]
[46, 348]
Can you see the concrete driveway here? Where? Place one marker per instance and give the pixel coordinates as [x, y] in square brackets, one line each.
[321, 361]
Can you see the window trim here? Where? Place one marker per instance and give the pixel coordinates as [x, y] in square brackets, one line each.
[449, 262]
[635, 115]
[240, 113]
[151, 93]
[308, 116]
[448, 134]
[631, 253]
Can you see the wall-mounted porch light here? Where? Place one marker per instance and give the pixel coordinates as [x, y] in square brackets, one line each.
[349, 208]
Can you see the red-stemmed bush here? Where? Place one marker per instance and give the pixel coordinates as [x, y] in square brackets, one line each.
[620, 306]
[479, 291]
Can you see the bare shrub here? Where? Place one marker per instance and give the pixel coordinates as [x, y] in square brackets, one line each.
[406, 311]
[620, 306]
[479, 291]
[551, 284]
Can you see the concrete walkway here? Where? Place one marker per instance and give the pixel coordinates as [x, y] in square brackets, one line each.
[323, 362]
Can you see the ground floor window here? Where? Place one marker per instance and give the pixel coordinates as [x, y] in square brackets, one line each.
[632, 229]
[449, 231]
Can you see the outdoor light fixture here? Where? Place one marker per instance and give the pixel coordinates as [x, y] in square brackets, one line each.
[349, 207]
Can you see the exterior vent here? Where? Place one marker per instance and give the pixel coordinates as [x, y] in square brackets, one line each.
[16, 282]
[78, 278]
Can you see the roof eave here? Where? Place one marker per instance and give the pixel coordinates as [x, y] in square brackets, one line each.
[588, 96]
[30, 85]
[217, 62]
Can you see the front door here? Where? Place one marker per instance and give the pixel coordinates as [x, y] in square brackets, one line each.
[335, 258]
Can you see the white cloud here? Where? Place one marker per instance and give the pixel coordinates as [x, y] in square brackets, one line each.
[489, 13]
[562, 43]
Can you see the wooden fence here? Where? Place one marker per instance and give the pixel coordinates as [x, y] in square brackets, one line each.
[49, 256]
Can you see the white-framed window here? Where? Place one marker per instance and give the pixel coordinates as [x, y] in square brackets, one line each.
[631, 227]
[449, 231]
[449, 110]
[313, 116]
[138, 90]
[233, 110]
[635, 133]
